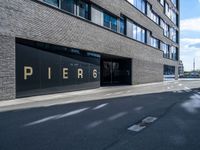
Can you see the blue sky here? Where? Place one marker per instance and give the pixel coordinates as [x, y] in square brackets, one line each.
[190, 33]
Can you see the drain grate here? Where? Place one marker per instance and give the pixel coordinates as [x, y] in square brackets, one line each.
[142, 124]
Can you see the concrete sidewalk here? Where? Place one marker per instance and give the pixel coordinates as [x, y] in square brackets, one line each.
[66, 95]
[97, 94]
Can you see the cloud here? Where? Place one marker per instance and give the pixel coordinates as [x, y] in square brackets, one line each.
[197, 45]
[192, 24]
[189, 49]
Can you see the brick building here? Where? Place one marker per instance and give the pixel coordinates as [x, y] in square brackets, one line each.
[50, 46]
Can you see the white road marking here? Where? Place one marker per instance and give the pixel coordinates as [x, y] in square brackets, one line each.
[114, 117]
[94, 124]
[72, 113]
[149, 119]
[138, 108]
[143, 124]
[180, 84]
[100, 106]
[55, 117]
[42, 120]
[136, 128]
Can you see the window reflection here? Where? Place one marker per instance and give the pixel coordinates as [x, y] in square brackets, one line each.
[82, 9]
[110, 22]
[52, 2]
[68, 5]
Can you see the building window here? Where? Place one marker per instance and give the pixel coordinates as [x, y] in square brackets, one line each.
[139, 4]
[153, 16]
[135, 32]
[96, 16]
[173, 35]
[173, 17]
[122, 25]
[165, 48]
[142, 39]
[167, 10]
[173, 53]
[154, 42]
[110, 22]
[169, 70]
[165, 28]
[162, 2]
[52, 2]
[171, 14]
[83, 9]
[174, 2]
[68, 5]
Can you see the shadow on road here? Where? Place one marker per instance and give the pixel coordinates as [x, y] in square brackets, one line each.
[103, 124]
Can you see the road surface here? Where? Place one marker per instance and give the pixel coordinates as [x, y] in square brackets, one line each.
[100, 120]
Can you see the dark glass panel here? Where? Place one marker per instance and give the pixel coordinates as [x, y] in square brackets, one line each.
[83, 9]
[122, 25]
[106, 21]
[52, 2]
[67, 5]
[113, 23]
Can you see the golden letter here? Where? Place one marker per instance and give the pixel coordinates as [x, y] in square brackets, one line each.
[28, 71]
[49, 73]
[65, 73]
[95, 73]
[80, 73]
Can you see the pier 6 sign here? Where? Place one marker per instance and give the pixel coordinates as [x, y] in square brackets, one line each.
[28, 72]
[41, 69]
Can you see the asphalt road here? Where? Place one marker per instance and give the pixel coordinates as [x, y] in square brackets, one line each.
[103, 124]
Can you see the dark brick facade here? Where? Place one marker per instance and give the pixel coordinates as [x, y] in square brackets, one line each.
[29, 19]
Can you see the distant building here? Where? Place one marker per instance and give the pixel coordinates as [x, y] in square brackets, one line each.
[194, 74]
[180, 69]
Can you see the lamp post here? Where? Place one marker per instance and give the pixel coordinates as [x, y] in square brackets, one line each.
[194, 64]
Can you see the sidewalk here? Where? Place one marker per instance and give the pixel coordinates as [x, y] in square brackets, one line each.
[94, 94]
[73, 94]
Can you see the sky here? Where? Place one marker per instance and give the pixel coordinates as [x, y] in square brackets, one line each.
[190, 33]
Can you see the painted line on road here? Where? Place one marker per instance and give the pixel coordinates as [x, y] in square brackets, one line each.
[149, 119]
[136, 128]
[139, 108]
[100, 106]
[142, 124]
[94, 124]
[114, 117]
[56, 117]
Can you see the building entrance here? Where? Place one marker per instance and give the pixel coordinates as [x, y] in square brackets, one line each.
[115, 70]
